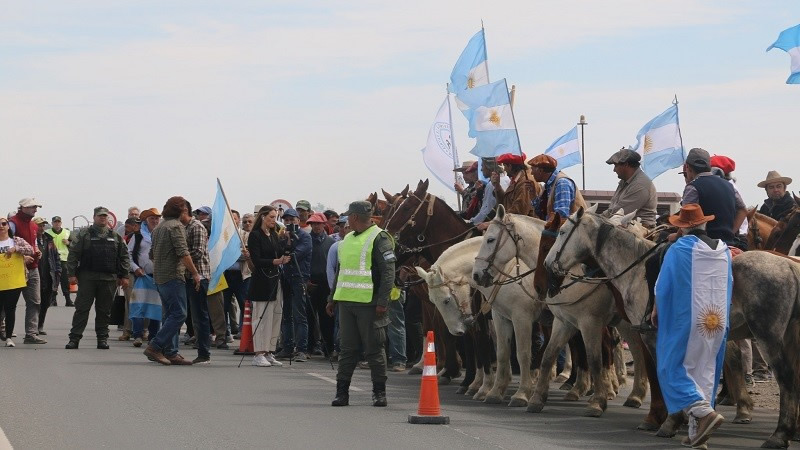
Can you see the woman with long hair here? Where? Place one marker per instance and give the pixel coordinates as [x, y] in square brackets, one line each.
[265, 294]
[9, 246]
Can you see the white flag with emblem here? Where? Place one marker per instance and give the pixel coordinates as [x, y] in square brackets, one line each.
[439, 155]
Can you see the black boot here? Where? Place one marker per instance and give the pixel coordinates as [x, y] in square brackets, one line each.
[71, 345]
[379, 394]
[342, 393]
[102, 344]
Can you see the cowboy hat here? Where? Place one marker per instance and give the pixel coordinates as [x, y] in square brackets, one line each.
[691, 215]
[151, 212]
[774, 177]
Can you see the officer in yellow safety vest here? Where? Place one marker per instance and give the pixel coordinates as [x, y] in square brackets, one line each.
[361, 290]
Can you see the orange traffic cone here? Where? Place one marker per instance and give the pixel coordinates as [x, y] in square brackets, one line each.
[246, 343]
[428, 412]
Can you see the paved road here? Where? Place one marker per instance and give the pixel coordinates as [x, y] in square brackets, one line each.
[89, 398]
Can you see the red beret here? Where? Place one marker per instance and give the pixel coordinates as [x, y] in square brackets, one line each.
[510, 158]
[723, 162]
[543, 160]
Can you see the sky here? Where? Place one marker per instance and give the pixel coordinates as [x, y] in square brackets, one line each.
[121, 103]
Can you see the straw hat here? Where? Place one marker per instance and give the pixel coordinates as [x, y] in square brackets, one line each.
[774, 177]
[691, 215]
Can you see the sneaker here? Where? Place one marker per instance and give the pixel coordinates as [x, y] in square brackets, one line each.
[260, 361]
[271, 358]
[317, 352]
[137, 342]
[300, 357]
[42, 332]
[229, 339]
[705, 426]
[686, 442]
[203, 360]
[283, 355]
[399, 367]
[10, 343]
[33, 340]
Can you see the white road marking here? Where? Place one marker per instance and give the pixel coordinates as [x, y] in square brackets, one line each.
[329, 380]
[4, 443]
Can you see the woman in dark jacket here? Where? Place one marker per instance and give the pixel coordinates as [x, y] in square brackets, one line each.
[266, 296]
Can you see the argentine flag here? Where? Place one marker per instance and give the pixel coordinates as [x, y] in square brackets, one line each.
[789, 41]
[566, 149]
[145, 303]
[659, 143]
[224, 244]
[491, 120]
[471, 69]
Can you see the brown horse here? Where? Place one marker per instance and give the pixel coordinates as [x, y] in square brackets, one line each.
[786, 231]
[759, 228]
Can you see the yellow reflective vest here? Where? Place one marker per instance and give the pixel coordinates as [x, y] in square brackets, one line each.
[354, 283]
[63, 249]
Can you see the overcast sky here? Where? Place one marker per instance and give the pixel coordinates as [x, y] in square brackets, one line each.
[119, 103]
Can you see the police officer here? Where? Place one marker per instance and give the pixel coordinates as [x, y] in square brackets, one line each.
[361, 289]
[98, 261]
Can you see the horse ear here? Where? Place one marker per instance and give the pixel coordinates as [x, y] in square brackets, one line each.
[501, 212]
[386, 195]
[404, 192]
[751, 213]
[580, 212]
[427, 183]
[626, 219]
[796, 199]
[593, 208]
[422, 273]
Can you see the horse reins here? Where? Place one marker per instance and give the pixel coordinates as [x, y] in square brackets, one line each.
[431, 200]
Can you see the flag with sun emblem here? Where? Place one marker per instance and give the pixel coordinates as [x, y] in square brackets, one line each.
[659, 143]
[224, 244]
[789, 41]
[566, 149]
[693, 297]
[491, 120]
[471, 69]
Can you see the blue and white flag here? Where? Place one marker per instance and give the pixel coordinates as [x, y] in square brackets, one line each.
[439, 155]
[224, 243]
[789, 41]
[566, 149]
[693, 296]
[491, 119]
[471, 69]
[145, 302]
[659, 143]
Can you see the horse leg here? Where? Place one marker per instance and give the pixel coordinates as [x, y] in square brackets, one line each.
[785, 362]
[578, 364]
[737, 389]
[561, 333]
[523, 328]
[607, 353]
[658, 409]
[471, 351]
[484, 353]
[594, 357]
[566, 371]
[452, 368]
[619, 360]
[583, 376]
[466, 350]
[639, 389]
[503, 329]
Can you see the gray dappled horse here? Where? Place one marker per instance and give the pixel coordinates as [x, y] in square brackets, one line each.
[765, 304]
[588, 309]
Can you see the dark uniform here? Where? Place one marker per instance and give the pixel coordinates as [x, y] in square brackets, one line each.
[98, 257]
[359, 326]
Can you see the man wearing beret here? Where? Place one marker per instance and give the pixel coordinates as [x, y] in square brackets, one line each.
[635, 191]
[518, 197]
[778, 202]
[472, 194]
[361, 290]
[560, 195]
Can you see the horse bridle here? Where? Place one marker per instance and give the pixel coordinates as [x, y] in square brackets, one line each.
[411, 222]
[450, 288]
[515, 238]
[756, 234]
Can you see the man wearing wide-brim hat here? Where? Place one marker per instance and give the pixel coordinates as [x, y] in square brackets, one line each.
[693, 295]
[779, 201]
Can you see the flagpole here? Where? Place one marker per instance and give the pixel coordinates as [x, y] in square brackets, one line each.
[453, 143]
[228, 207]
[583, 123]
[511, 103]
[512, 95]
[486, 50]
[678, 122]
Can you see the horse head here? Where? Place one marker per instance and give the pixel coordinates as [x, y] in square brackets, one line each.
[451, 298]
[502, 244]
[783, 235]
[572, 246]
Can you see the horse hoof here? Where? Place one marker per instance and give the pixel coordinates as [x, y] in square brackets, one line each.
[535, 407]
[471, 392]
[775, 443]
[647, 426]
[611, 395]
[479, 397]
[517, 402]
[415, 371]
[633, 402]
[566, 387]
[593, 411]
[665, 433]
[745, 419]
[571, 397]
[461, 390]
[493, 400]
[560, 379]
[443, 381]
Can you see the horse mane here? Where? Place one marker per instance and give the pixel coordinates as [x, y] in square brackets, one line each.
[609, 229]
[765, 219]
[454, 254]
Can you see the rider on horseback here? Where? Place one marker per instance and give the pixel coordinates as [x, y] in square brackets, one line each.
[635, 192]
[779, 202]
[560, 196]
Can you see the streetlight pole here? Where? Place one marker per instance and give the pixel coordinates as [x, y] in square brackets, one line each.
[583, 123]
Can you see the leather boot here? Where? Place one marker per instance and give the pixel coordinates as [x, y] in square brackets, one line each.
[342, 393]
[379, 394]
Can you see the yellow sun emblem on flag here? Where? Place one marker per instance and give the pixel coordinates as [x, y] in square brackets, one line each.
[470, 83]
[648, 144]
[226, 235]
[711, 321]
[561, 151]
[494, 118]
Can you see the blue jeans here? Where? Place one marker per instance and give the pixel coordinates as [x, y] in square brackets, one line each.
[200, 316]
[173, 306]
[397, 332]
[138, 327]
[294, 325]
[239, 288]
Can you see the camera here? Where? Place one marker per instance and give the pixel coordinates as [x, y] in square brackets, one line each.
[293, 228]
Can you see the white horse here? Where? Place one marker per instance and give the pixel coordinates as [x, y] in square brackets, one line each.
[511, 238]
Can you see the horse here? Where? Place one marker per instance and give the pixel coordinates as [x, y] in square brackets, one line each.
[511, 238]
[765, 304]
[759, 228]
[785, 232]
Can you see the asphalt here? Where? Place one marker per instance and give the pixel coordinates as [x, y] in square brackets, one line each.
[89, 398]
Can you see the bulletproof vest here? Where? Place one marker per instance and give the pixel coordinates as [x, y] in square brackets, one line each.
[717, 197]
[101, 256]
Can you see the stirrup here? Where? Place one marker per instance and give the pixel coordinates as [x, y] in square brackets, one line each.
[644, 327]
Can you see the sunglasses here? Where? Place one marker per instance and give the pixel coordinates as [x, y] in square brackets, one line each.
[3, 224]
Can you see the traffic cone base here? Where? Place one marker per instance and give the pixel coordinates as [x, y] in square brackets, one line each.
[429, 412]
[246, 343]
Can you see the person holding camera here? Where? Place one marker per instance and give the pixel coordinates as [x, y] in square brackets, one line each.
[361, 290]
[294, 327]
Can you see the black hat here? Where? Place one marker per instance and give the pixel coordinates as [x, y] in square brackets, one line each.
[624, 156]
